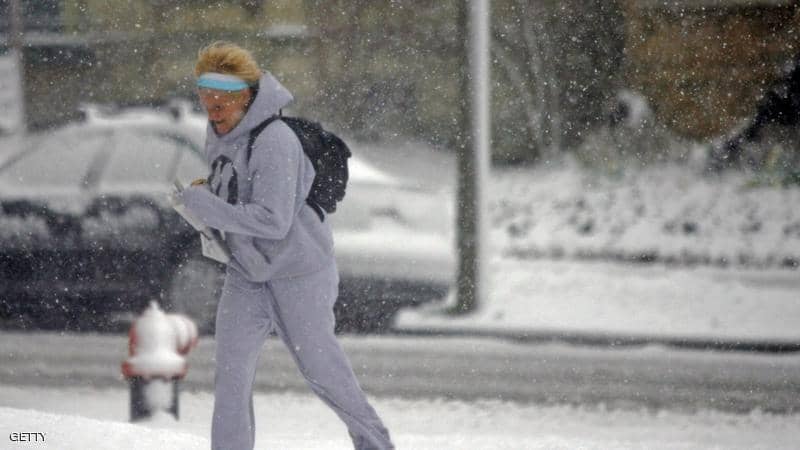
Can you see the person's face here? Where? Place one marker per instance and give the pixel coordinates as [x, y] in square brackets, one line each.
[224, 109]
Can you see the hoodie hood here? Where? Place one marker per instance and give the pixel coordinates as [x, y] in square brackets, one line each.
[272, 96]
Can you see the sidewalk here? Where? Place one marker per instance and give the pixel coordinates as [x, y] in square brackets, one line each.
[609, 303]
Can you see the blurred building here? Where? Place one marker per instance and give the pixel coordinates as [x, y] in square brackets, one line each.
[135, 52]
[705, 64]
[378, 68]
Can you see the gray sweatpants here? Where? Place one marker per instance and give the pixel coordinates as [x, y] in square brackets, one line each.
[300, 311]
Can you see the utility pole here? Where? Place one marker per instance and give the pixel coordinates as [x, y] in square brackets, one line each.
[15, 25]
[16, 43]
[473, 157]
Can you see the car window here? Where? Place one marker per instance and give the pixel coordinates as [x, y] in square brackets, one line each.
[141, 157]
[56, 159]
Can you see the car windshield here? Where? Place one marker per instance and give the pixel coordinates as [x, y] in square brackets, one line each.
[151, 157]
[191, 166]
[55, 159]
[141, 157]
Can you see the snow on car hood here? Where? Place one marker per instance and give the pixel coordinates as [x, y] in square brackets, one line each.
[44, 218]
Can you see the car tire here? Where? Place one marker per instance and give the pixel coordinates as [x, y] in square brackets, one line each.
[194, 290]
[353, 316]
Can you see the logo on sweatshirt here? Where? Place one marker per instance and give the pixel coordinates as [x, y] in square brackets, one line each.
[223, 180]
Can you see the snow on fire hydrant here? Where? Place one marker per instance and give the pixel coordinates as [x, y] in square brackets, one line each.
[157, 343]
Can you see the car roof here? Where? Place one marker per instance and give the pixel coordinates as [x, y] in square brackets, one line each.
[180, 118]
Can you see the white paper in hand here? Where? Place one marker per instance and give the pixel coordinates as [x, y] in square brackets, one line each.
[212, 244]
[215, 248]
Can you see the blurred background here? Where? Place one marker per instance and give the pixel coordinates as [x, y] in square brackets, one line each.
[641, 204]
[385, 69]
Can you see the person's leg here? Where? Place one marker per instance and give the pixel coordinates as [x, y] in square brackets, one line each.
[303, 315]
[242, 326]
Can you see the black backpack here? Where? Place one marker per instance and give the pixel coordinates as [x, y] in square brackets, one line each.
[328, 154]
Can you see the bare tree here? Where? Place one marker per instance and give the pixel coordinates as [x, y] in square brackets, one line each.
[559, 59]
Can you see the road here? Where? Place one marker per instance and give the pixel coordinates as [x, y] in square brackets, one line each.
[466, 369]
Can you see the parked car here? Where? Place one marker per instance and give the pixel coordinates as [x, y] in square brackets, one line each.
[85, 228]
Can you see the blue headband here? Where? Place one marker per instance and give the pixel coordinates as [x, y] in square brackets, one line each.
[221, 82]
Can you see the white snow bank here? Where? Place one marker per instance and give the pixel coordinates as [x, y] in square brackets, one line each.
[295, 421]
[663, 212]
[639, 300]
[22, 428]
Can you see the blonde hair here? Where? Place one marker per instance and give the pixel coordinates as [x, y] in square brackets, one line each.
[228, 58]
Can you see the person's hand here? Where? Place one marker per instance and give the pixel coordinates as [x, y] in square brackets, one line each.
[199, 182]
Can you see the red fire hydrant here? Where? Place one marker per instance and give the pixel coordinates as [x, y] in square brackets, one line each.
[157, 343]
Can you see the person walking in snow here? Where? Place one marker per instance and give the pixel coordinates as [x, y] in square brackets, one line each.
[282, 276]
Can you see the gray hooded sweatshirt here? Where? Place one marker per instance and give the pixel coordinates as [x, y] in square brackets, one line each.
[260, 205]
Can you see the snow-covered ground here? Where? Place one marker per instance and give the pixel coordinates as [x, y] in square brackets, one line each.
[566, 245]
[672, 212]
[668, 212]
[96, 419]
[67, 432]
[601, 298]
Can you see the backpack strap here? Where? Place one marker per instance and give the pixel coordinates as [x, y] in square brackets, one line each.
[252, 140]
[255, 132]
[317, 209]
